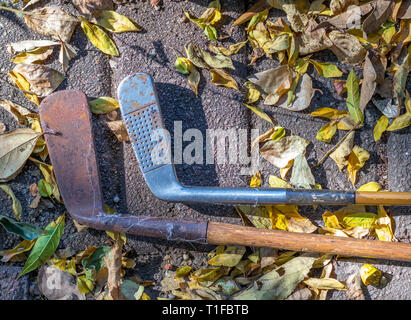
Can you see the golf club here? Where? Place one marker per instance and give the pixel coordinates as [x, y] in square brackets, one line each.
[66, 121]
[141, 113]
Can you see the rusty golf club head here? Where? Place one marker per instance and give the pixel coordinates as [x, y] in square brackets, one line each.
[151, 142]
[66, 121]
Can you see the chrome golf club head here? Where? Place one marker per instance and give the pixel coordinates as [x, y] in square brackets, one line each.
[140, 109]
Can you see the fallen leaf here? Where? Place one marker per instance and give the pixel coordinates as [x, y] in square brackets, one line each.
[45, 245]
[356, 160]
[229, 258]
[21, 83]
[380, 127]
[88, 6]
[67, 52]
[29, 45]
[279, 283]
[382, 11]
[48, 172]
[256, 180]
[222, 78]
[327, 70]
[337, 6]
[103, 105]
[303, 95]
[341, 154]
[369, 82]
[114, 22]
[370, 275]
[276, 182]
[400, 122]
[269, 81]
[370, 186]
[18, 112]
[99, 38]
[17, 209]
[183, 65]
[17, 251]
[286, 217]
[253, 94]
[384, 226]
[52, 22]
[113, 263]
[354, 290]
[232, 49]
[301, 176]
[15, 148]
[37, 55]
[131, 290]
[43, 80]
[326, 132]
[325, 284]
[194, 78]
[280, 152]
[346, 47]
[353, 98]
[215, 61]
[313, 39]
[261, 114]
[119, 129]
[22, 229]
[55, 284]
[301, 294]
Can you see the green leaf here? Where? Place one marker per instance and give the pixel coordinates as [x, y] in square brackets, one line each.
[22, 229]
[211, 32]
[45, 188]
[45, 246]
[96, 259]
[103, 105]
[279, 283]
[353, 98]
[380, 127]
[182, 65]
[17, 209]
[327, 70]
[85, 285]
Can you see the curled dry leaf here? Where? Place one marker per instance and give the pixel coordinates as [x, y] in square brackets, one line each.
[354, 290]
[269, 81]
[52, 22]
[17, 209]
[28, 45]
[312, 39]
[119, 129]
[337, 6]
[37, 55]
[88, 6]
[103, 105]
[17, 253]
[55, 284]
[380, 127]
[18, 112]
[303, 95]
[222, 78]
[43, 80]
[21, 83]
[356, 160]
[382, 11]
[113, 263]
[346, 47]
[67, 52]
[341, 154]
[15, 148]
[301, 176]
[281, 151]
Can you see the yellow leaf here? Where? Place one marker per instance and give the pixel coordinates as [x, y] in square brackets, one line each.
[327, 70]
[20, 82]
[183, 65]
[276, 182]
[85, 285]
[256, 180]
[360, 219]
[12, 254]
[232, 49]
[380, 127]
[183, 271]
[400, 122]
[370, 275]
[103, 105]
[331, 220]
[325, 284]
[229, 258]
[383, 227]
[328, 113]
[114, 22]
[222, 78]
[253, 94]
[326, 132]
[284, 170]
[286, 217]
[370, 186]
[356, 161]
[37, 55]
[194, 78]
[99, 38]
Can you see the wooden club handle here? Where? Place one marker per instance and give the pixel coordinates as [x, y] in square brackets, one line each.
[221, 233]
[383, 198]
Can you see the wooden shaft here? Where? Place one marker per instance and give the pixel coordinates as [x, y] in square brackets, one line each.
[383, 198]
[221, 233]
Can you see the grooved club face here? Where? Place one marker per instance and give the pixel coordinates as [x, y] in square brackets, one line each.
[141, 113]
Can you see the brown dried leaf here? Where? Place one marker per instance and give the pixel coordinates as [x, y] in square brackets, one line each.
[43, 80]
[52, 22]
[18, 112]
[353, 284]
[382, 11]
[119, 129]
[341, 154]
[88, 6]
[338, 6]
[113, 263]
[313, 39]
[346, 47]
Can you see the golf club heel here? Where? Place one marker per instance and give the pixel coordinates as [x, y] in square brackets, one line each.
[141, 113]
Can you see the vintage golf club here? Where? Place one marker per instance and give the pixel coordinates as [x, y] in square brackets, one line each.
[66, 122]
